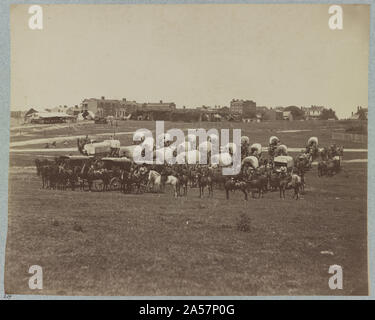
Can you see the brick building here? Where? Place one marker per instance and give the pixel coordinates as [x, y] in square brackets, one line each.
[247, 108]
[312, 112]
[121, 108]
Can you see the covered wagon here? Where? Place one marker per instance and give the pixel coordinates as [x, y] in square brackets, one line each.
[114, 167]
[251, 161]
[104, 148]
[283, 161]
[256, 150]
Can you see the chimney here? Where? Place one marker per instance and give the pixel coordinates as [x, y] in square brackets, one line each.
[161, 101]
[103, 97]
[123, 99]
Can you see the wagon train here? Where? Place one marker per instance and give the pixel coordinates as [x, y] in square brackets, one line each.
[108, 166]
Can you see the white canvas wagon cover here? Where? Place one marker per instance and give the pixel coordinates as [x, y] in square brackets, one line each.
[77, 157]
[97, 147]
[118, 160]
[284, 161]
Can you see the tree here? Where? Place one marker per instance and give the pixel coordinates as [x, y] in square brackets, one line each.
[362, 114]
[296, 112]
[328, 114]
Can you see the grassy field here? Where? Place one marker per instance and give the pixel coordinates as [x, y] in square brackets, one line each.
[292, 133]
[258, 132]
[152, 244]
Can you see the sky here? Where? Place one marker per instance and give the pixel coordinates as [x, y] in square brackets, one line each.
[193, 55]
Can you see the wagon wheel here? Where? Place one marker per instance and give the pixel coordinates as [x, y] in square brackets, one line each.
[115, 184]
[98, 185]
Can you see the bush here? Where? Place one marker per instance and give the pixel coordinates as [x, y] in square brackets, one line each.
[244, 223]
[186, 116]
[328, 114]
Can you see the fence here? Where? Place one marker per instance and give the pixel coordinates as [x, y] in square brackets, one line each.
[352, 137]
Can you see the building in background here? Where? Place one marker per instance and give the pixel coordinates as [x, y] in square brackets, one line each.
[158, 106]
[101, 107]
[122, 108]
[361, 114]
[272, 114]
[58, 109]
[17, 114]
[44, 117]
[73, 111]
[91, 104]
[247, 108]
[313, 112]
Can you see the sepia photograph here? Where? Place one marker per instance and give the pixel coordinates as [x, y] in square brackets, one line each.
[188, 150]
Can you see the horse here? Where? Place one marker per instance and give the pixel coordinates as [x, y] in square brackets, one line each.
[90, 173]
[204, 180]
[232, 184]
[217, 177]
[63, 177]
[333, 166]
[324, 154]
[296, 183]
[101, 174]
[52, 175]
[136, 177]
[259, 183]
[82, 176]
[300, 170]
[322, 168]
[273, 181]
[45, 174]
[154, 179]
[312, 152]
[45, 168]
[170, 180]
[303, 161]
[283, 183]
[183, 178]
[73, 177]
[125, 181]
[66, 175]
[192, 173]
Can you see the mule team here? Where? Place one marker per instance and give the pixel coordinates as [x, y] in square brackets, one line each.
[253, 178]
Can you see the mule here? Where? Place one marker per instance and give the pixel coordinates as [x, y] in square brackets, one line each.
[204, 180]
[232, 184]
[296, 183]
[258, 183]
[283, 183]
